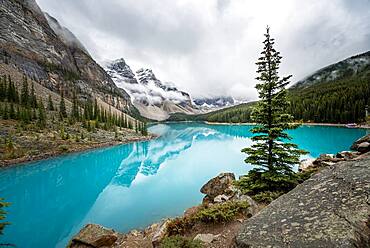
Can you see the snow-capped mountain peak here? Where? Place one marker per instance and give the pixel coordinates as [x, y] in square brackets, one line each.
[148, 92]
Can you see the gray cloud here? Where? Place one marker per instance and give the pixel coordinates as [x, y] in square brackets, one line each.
[209, 47]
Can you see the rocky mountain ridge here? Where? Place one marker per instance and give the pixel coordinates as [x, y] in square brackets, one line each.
[152, 97]
[38, 46]
[347, 67]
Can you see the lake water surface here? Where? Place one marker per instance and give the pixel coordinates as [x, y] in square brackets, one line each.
[131, 186]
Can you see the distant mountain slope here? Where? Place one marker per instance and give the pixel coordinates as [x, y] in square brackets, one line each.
[234, 114]
[338, 101]
[337, 93]
[38, 46]
[153, 98]
[343, 69]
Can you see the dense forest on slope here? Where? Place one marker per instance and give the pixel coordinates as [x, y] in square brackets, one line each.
[338, 101]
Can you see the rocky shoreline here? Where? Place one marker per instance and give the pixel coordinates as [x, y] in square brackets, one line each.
[312, 213]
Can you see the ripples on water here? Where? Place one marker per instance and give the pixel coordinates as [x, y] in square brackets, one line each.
[131, 186]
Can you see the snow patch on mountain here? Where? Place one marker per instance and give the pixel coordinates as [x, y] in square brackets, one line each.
[349, 66]
[153, 98]
[212, 103]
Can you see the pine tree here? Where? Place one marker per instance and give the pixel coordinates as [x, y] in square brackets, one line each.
[6, 112]
[75, 111]
[271, 152]
[124, 121]
[62, 108]
[12, 114]
[24, 92]
[41, 115]
[50, 104]
[3, 90]
[144, 130]
[3, 215]
[96, 109]
[33, 100]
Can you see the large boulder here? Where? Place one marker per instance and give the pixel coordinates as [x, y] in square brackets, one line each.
[306, 164]
[253, 206]
[347, 155]
[363, 147]
[325, 160]
[331, 209]
[219, 185]
[357, 143]
[95, 236]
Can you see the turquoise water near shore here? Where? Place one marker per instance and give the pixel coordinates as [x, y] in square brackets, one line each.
[133, 185]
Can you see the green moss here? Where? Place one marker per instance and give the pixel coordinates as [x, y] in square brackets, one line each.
[180, 242]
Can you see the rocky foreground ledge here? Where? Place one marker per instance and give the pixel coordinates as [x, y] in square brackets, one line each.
[331, 209]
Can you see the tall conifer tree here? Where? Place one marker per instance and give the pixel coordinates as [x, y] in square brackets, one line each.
[24, 92]
[62, 108]
[272, 153]
[50, 104]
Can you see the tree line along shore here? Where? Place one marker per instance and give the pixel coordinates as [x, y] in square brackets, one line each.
[35, 127]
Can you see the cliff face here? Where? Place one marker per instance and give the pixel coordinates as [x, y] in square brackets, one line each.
[30, 41]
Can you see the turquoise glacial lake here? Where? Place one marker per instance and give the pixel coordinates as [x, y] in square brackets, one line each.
[133, 185]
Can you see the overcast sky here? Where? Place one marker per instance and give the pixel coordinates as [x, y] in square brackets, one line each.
[209, 47]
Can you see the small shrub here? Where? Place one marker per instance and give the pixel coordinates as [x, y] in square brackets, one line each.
[179, 226]
[180, 242]
[3, 215]
[267, 196]
[221, 213]
[63, 148]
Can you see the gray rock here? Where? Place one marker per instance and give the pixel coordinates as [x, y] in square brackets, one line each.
[347, 155]
[366, 138]
[331, 209]
[363, 147]
[218, 185]
[253, 207]
[94, 235]
[206, 238]
[160, 233]
[325, 160]
[306, 164]
[221, 198]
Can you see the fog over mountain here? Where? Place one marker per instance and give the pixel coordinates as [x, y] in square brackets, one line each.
[209, 47]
